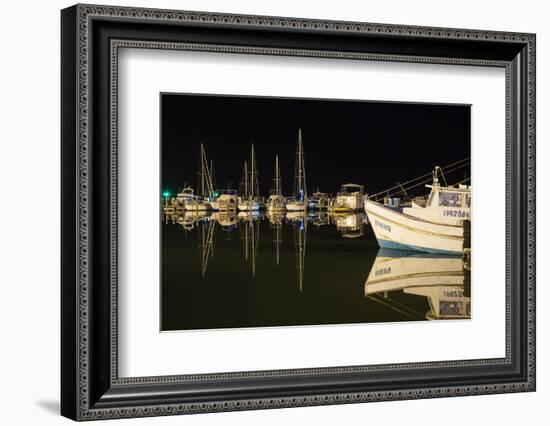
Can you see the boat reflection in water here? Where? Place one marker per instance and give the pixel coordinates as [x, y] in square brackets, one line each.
[441, 279]
[351, 225]
[248, 224]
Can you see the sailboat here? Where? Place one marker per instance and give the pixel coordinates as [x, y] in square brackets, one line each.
[276, 201]
[223, 200]
[250, 200]
[199, 201]
[300, 201]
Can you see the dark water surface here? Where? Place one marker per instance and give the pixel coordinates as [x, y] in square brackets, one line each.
[249, 271]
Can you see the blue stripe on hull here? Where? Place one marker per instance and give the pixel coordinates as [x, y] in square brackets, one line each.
[398, 246]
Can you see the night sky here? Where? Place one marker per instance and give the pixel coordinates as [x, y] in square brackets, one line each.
[370, 143]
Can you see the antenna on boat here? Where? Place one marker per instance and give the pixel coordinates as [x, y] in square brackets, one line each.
[402, 188]
[436, 180]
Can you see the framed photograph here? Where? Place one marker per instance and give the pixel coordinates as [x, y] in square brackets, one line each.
[263, 212]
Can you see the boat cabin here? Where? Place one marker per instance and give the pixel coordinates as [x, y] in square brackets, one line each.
[445, 204]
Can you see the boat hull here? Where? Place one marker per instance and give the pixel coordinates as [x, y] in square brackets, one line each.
[249, 206]
[197, 207]
[276, 209]
[395, 230]
[221, 205]
[296, 206]
[276, 204]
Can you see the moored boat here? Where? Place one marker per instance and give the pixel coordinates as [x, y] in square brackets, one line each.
[438, 226]
[224, 200]
[250, 199]
[276, 201]
[318, 201]
[349, 199]
[199, 201]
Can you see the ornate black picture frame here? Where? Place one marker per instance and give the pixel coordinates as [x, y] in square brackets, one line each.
[91, 387]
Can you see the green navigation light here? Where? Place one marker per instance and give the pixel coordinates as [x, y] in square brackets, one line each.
[166, 194]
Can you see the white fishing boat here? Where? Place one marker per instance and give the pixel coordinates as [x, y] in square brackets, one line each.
[276, 201]
[350, 198]
[437, 225]
[300, 201]
[250, 198]
[440, 279]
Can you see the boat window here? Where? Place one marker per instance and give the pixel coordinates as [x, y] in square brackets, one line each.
[450, 199]
[468, 197]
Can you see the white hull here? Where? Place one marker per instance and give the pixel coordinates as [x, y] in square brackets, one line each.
[276, 208]
[197, 206]
[396, 230]
[296, 206]
[249, 206]
[249, 215]
[222, 205]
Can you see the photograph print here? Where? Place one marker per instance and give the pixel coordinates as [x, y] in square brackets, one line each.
[281, 212]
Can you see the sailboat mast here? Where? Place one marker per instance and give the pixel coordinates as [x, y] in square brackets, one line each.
[254, 185]
[252, 172]
[302, 165]
[212, 178]
[278, 189]
[199, 174]
[245, 175]
[206, 188]
[300, 191]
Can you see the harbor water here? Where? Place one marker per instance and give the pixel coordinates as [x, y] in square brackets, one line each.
[257, 270]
